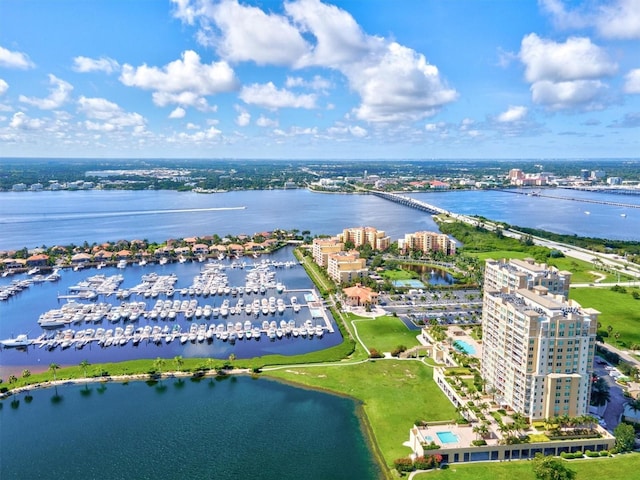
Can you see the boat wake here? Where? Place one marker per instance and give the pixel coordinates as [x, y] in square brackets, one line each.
[124, 213]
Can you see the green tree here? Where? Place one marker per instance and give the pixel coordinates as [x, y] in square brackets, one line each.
[600, 393]
[625, 437]
[26, 373]
[178, 361]
[158, 364]
[84, 364]
[551, 468]
[53, 367]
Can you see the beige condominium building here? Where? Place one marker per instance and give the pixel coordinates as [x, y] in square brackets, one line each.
[345, 267]
[323, 247]
[376, 239]
[538, 347]
[427, 242]
[514, 274]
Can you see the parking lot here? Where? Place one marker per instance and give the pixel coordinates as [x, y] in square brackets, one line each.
[448, 307]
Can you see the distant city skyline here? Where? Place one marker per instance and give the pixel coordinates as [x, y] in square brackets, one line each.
[305, 79]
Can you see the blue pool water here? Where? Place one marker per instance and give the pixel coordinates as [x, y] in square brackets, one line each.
[464, 347]
[447, 437]
[408, 283]
[315, 312]
[309, 297]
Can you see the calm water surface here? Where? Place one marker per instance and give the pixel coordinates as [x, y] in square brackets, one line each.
[35, 218]
[229, 429]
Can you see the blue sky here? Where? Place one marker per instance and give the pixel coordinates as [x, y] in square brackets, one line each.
[401, 79]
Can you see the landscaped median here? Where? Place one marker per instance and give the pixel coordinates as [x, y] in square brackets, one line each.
[623, 466]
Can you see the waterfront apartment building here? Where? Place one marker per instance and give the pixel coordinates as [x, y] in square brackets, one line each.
[426, 242]
[514, 274]
[323, 247]
[359, 236]
[538, 348]
[345, 267]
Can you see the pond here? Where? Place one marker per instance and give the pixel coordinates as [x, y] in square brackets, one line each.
[431, 275]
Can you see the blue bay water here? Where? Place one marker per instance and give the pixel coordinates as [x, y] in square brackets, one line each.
[48, 218]
[235, 428]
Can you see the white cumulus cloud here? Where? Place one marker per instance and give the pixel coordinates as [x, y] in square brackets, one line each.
[249, 34]
[263, 121]
[395, 83]
[575, 59]
[565, 75]
[12, 59]
[268, 96]
[22, 121]
[185, 81]
[59, 94]
[316, 83]
[513, 114]
[243, 119]
[4, 86]
[178, 112]
[632, 81]
[103, 64]
[109, 115]
[616, 19]
[348, 130]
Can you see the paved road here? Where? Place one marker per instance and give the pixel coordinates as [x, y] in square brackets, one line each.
[615, 407]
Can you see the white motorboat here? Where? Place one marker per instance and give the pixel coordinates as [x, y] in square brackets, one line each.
[21, 340]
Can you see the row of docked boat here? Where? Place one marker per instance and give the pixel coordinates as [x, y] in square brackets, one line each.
[74, 312]
[197, 333]
[18, 285]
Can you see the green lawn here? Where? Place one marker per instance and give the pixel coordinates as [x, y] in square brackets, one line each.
[580, 270]
[621, 466]
[620, 310]
[399, 274]
[394, 393]
[499, 254]
[385, 333]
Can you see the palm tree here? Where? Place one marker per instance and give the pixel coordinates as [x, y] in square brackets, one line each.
[600, 393]
[634, 405]
[178, 361]
[53, 367]
[26, 373]
[12, 379]
[158, 363]
[84, 364]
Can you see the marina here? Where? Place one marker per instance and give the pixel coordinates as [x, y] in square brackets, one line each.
[194, 308]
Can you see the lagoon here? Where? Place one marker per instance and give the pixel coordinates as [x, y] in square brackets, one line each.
[237, 427]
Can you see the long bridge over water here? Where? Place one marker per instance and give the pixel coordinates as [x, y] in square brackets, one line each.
[584, 200]
[411, 202]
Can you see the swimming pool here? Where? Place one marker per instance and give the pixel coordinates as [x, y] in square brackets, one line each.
[315, 313]
[464, 347]
[408, 283]
[309, 297]
[447, 437]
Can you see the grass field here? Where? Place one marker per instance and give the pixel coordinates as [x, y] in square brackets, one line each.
[619, 467]
[620, 310]
[399, 275]
[384, 333]
[580, 270]
[378, 385]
